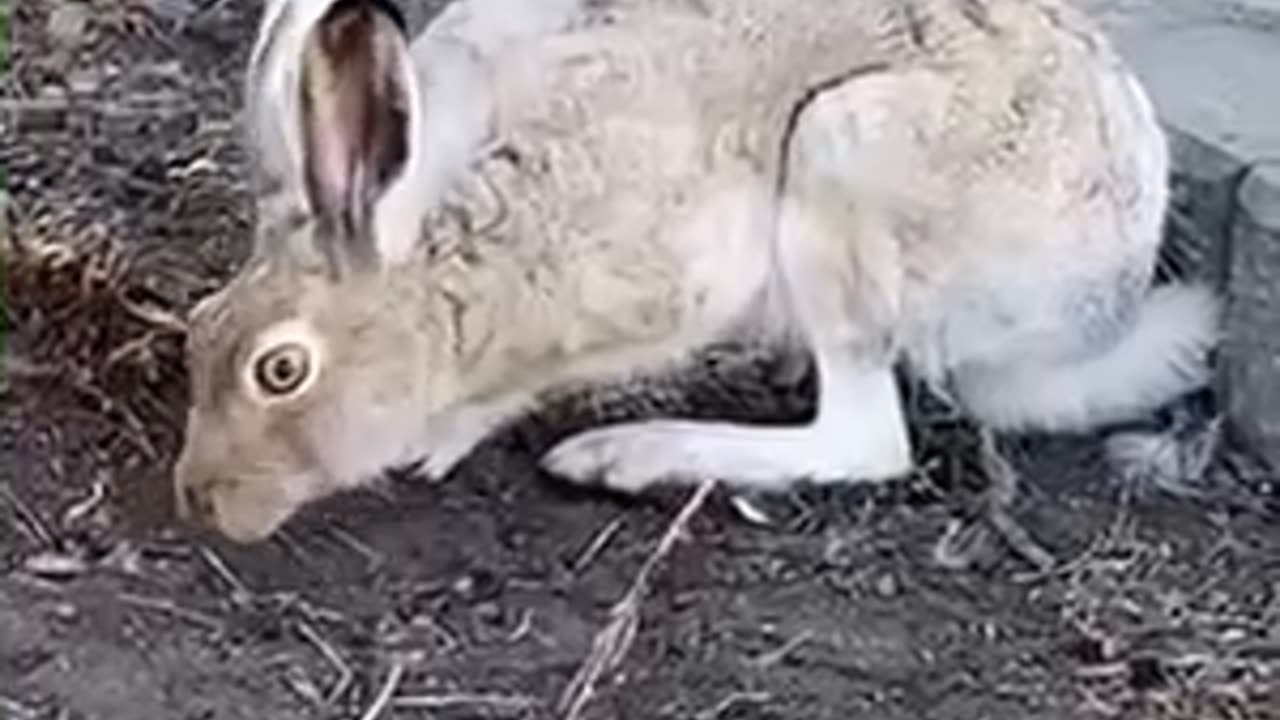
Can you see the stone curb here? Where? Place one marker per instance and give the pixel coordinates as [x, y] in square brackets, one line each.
[1225, 229]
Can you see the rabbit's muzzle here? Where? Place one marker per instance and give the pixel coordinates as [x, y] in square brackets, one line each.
[244, 510]
[193, 505]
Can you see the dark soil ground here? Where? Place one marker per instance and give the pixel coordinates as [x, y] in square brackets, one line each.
[479, 597]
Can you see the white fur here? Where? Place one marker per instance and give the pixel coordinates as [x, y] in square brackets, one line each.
[1162, 357]
[859, 434]
[455, 432]
[490, 25]
[448, 85]
[452, 89]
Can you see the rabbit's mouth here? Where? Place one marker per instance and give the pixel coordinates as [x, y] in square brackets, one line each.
[248, 523]
[244, 511]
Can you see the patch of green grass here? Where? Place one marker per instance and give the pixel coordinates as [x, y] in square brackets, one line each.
[4, 36]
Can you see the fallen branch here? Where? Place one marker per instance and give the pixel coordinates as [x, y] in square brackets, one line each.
[489, 700]
[388, 689]
[614, 640]
[345, 674]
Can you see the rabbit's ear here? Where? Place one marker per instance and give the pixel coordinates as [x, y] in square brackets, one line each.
[271, 94]
[332, 102]
[354, 112]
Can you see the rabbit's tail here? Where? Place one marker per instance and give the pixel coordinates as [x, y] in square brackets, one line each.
[1165, 355]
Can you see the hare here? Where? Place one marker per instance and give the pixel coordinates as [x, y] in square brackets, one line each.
[972, 190]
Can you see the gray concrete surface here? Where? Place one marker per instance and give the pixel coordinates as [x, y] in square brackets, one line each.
[1213, 68]
[1252, 350]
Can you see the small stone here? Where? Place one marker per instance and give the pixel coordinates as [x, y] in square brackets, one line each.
[887, 585]
[55, 566]
[464, 586]
[83, 81]
[65, 612]
[749, 511]
[68, 22]
[489, 612]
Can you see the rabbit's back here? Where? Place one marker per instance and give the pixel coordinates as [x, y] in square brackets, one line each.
[1000, 144]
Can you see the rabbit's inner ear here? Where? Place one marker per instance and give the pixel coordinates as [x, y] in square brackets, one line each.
[355, 115]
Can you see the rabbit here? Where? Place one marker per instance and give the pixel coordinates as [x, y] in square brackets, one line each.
[969, 190]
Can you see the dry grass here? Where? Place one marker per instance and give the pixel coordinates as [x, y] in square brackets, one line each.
[89, 329]
[1157, 645]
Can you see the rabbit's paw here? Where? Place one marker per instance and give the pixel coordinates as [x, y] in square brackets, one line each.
[452, 440]
[627, 458]
[455, 434]
[446, 455]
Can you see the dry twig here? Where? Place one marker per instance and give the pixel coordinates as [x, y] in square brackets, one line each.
[81, 508]
[294, 548]
[371, 556]
[31, 520]
[81, 381]
[773, 657]
[388, 689]
[598, 544]
[734, 698]
[490, 700]
[612, 642]
[165, 606]
[238, 588]
[345, 673]
[995, 517]
[16, 709]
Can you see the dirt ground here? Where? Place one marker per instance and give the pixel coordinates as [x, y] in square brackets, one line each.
[480, 596]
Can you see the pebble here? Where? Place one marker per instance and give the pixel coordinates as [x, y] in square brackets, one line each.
[65, 612]
[489, 612]
[83, 81]
[68, 23]
[55, 566]
[887, 585]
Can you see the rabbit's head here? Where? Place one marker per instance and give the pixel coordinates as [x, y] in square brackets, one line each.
[305, 368]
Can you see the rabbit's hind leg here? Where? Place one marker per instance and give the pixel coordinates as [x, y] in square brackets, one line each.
[842, 295]
[857, 434]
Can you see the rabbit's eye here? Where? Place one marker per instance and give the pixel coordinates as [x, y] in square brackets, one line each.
[283, 369]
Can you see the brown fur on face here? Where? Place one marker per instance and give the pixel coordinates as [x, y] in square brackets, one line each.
[312, 292]
[252, 459]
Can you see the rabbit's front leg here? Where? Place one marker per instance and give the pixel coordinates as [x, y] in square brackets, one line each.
[843, 273]
[859, 434]
[454, 433]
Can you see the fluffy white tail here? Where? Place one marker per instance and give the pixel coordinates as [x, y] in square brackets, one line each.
[1164, 356]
